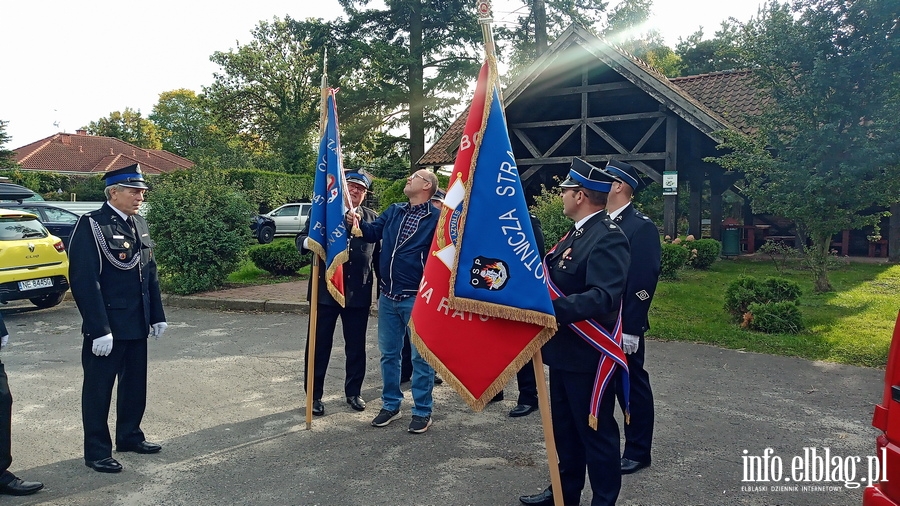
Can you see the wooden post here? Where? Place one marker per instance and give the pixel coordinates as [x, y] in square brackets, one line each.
[670, 202]
[311, 348]
[547, 423]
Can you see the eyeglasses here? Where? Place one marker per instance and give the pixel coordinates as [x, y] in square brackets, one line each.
[423, 178]
[353, 188]
[574, 189]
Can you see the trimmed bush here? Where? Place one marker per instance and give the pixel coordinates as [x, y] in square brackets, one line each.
[280, 257]
[708, 251]
[674, 257]
[201, 227]
[775, 317]
[781, 289]
[742, 292]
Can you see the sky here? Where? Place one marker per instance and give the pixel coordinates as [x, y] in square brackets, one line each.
[65, 64]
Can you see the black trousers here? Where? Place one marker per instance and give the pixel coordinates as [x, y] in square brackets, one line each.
[527, 385]
[127, 363]
[638, 433]
[5, 428]
[578, 445]
[354, 320]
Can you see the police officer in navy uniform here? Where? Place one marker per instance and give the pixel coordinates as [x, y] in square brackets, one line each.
[359, 273]
[646, 250]
[112, 273]
[589, 266]
[10, 484]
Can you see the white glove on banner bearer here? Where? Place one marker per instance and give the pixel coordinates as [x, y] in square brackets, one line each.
[630, 343]
[102, 345]
[157, 329]
[4, 341]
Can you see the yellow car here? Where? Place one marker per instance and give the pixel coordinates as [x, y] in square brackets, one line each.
[33, 263]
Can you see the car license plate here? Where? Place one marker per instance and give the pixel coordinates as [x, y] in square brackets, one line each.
[32, 284]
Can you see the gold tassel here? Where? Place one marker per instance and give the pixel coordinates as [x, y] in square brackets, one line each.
[592, 421]
[628, 418]
[355, 231]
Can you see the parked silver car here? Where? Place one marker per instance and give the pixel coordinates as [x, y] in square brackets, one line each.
[290, 218]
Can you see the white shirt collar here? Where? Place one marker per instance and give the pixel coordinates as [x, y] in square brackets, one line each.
[615, 214]
[580, 223]
[120, 213]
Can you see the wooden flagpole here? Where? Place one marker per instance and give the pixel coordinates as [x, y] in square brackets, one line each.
[314, 274]
[484, 18]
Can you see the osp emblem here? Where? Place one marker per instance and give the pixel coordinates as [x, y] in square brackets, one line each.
[489, 273]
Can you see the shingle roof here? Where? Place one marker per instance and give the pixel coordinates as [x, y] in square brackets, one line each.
[732, 94]
[89, 154]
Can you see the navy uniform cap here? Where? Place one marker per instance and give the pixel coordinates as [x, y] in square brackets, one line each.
[627, 174]
[583, 174]
[358, 177]
[130, 177]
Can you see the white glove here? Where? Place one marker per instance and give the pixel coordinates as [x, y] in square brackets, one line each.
[157, 329]
[102, 345]
[630, 343]
[4, 341]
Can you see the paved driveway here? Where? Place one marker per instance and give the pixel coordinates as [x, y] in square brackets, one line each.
[226, 402]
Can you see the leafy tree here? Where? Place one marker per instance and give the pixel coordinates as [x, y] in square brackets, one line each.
[623, 26]
[7, 156]
[266, 96]
[182, 120]
[128, 126]
[826, 153]
[544, 20]
[407, 64]
[718, 54]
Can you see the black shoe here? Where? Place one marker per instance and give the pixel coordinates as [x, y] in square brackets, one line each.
[356, 402]
[497, 398]
[318, 407]
[438, 380]
[107, 465]
[632, 466]
[545, 498]
[384, 417]
[142, 447]
[522, 410]
[19, 487]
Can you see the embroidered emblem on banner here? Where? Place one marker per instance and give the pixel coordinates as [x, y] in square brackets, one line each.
[643, 295]
[489, 273]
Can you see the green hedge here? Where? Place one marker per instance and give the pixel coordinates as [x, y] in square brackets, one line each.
[280, 257]
[775, 318]
[707, 252]
[674, 257]
[766, 306]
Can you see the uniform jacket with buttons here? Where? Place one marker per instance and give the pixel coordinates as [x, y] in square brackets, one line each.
[643, 274]
[112, 299]
[590, 268]
[359, 269]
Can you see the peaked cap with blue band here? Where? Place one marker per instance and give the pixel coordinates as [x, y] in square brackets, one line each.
[358, 177]
[130, 177]
[627, 174]
[583, 174]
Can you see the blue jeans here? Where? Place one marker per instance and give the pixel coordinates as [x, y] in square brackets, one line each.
[393, 318]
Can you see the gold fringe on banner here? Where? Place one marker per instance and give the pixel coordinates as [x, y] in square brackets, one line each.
[341, 257]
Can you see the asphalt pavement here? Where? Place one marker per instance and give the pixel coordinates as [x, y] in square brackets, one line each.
[226, 402]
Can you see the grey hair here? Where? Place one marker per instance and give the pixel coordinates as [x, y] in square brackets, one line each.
[112, 187]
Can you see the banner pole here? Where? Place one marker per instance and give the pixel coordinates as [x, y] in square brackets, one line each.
[314, 270]
[311, 349]
[485, 19]
[547, 423]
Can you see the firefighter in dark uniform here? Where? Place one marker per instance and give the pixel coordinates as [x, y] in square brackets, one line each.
[359, 273]
[112, 273]
[589, 268]
[10, 484]
[643, 275]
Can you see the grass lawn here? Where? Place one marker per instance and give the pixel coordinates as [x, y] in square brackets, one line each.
[249, 274]
[851, 325]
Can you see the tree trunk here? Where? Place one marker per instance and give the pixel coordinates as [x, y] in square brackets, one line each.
[416, 91]
[539, 11]
[817, 260]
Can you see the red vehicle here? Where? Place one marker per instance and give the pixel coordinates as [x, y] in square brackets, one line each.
[887, 420]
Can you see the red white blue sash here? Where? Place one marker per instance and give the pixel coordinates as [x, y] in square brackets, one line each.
[609, 344]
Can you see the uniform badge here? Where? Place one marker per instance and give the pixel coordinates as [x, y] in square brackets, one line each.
[126, 244]
[489, 273]
[643, 295]
[122, 256]
[578, 232]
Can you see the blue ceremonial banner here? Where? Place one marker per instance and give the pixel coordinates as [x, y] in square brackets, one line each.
[498, 264]
[328, 234]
